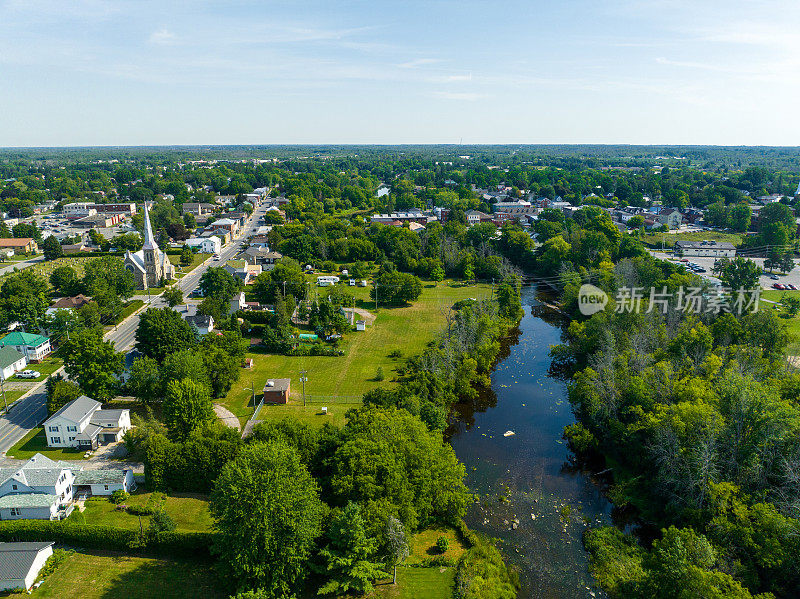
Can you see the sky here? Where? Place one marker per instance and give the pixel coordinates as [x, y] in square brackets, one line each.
[168, 72]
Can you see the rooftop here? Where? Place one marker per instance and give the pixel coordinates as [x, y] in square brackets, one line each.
[9, 356]
[99, 477]
[20, 338]
[277, 385]
[76, 410]
[18, 558]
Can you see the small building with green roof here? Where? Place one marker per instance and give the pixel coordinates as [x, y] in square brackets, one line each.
[34, 347]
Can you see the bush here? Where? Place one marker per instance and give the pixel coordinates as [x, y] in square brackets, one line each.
[379, 376]
[395, 353]
[54, 561]
[161, 522]
[442, 544]
[119, 496]
[139, 510]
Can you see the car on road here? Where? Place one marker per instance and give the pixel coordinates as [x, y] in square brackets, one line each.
[28, 374]
[774, 277]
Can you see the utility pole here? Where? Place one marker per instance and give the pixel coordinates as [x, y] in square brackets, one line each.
[492, 297]
[376, 296]
[303, 379]
[3, 388]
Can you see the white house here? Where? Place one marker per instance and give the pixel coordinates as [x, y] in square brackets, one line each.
[202, 324]
[361, 325]
[20, 563]
[207, 245]
[105, 482]
[40, 489]
[81, 423]
[11, 362]
[34, 347]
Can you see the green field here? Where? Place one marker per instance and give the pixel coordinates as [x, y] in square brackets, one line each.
[35, 442]
[105, 575]
[654, 240]
[423, 546]
[417, 583]
[407, 329]
[181, 271]
[45, 368]
[45, 268]
[189, 511]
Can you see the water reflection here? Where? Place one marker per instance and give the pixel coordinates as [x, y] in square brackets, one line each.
[534, 496]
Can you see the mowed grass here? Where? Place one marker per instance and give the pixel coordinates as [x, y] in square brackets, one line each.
[35, 442]
[417, 583]
[655, 240]
[792, 323]
[45, 268]
[407, 329]
[104, 575]
[423, 546]
[190, 512]
[197, 260]
[45, 368]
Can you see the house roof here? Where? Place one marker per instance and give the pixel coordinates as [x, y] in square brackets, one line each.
[101, 416]
[17, 559]
[278, 385]
[222, 221]
[89, 433]
[76, 410]
[9, 356]
[20, 338]
[13, 242]
[201, 321]
[71, 302]
[99, 477]
[28, 500]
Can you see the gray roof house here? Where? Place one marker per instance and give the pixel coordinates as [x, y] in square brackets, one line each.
[11, 362]
[105, 482]
[20, 563]
[83, 424]
[39, 489]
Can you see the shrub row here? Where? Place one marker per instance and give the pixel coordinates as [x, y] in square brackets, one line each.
[189, 544]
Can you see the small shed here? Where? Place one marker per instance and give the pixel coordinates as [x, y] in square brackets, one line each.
[277, 391]
[105, 482]
[20, 563]
[361, 325]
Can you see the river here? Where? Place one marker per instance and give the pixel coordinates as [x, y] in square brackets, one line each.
[532, 497]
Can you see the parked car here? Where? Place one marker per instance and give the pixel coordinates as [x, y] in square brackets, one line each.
[777, 286]
[774, 277]
[28, 374]
[790, 286]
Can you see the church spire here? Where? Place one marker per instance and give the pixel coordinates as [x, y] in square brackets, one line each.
[149, 242]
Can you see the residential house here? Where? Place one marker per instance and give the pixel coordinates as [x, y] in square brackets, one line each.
[68, 303]
[207, 245]
[515, 208]
[399, 218]
[277, 391]
[242, 270]
[11, 362]
[238, 302]
[40, 489]
[202, 324]
[670, 217]
[222, 234]
[20, 245]
[475, 217]
[261, 256]
[83, 424]
[34, 347]
[226, 224]
[21, 562]
[104, 482]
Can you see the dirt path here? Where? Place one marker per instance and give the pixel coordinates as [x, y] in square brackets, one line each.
[228, 418]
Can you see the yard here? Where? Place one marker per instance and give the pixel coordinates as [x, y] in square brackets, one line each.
[103, 575]
[181, 271]
[48, 266]
[336, 382]
[417, 583]
[655, 240]
[190, 512]
[45, 368]
[35, 442]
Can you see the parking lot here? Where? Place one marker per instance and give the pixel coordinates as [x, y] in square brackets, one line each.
[767, 281]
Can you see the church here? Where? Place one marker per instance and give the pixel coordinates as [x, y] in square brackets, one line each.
[150, 266]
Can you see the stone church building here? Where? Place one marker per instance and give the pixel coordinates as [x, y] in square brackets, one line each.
[150, 266]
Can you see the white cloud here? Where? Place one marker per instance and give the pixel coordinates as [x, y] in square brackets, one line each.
[163, 37]
[461, 96]
[467, 77]
[418, 62]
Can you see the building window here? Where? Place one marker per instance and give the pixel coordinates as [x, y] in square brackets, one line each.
[13, 487]
[52, 429]
[56, 439]
[105, 487]
[15, 511]
[72, 438]
[72, 429]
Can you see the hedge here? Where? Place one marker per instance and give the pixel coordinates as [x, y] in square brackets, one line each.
[189, 544]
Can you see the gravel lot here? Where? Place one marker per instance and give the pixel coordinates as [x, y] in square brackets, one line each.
[792, 277]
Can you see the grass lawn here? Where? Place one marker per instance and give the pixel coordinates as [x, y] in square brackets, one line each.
[102, 575]
[14, 394]
[793, 324]
[407, 329]
[34, 442]
[197, 260]
[190, 512]
[46, 367]
[654, 240]
[423, 546]
[45, 268]
[417, 583]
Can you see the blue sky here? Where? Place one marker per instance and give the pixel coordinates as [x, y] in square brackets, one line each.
[91, 72]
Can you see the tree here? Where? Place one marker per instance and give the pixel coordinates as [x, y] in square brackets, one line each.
[144, 381]
[186, 255]
[349, 554]
[173, 296]
[23, 298]
[268, 513]
[51, 248]
[287, 275]
[60, 393]
[395, 287]
[65, 280]
[787, 263]
[219, 284]
[740, 273]
[108, 272]
[161, 332]
[396, 544]
[187, 407]
[636, 222]
[93, 363]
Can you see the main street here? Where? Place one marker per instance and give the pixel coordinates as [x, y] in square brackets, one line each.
[29, 411]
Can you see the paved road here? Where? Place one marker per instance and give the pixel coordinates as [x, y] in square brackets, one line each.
[20, 265]
[29, 411]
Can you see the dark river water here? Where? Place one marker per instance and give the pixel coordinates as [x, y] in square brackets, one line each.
[533, 498]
